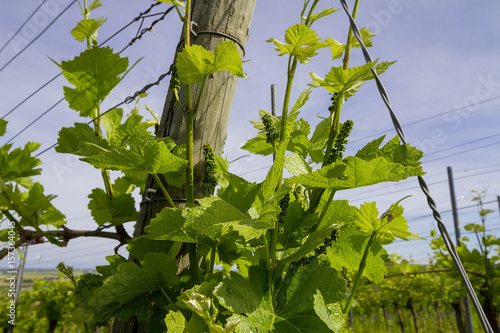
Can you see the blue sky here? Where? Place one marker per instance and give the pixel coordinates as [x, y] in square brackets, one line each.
[447, 56]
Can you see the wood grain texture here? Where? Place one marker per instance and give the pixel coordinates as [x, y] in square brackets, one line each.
[231, 17]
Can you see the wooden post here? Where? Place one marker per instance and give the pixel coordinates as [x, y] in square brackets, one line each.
[214, 21]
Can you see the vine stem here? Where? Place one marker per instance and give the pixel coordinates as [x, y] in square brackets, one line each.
[335, 116]
[192, 249]
[190, 157]
[165, 295]
[359, 274]
[334, 126]
[349, 37]
[292, 66]
[164, 190]
[323, 213]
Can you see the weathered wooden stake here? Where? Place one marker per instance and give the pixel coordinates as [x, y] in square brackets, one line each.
[213, 22]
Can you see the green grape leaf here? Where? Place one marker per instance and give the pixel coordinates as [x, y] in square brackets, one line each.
[318, 140]
[331, 314]
[151, 156]
[392, 151]
[94, 73]
[294, 309]
[339, 212]
[258, 145]
[366, 35]
[95, 4]
[111, 269]
[348, 249]
[347, 82]
[235, 190]
[120, 135]
[267, 190]
[291, 123]
[326, 177]
[301, 42]
[80, 140]
[149, 309]
[301, 101]
[390, 225]
[3, 126]
[123, 185]
[336, 47]
[175, 321]
[87, 28]
[297, 223]
[297, 165]
[207, 222]
[195, 62]
[140, 246]
[248, 298]
[299, 142]
[239, 193]
[321, 14]
[227, 58]
[116, 211]
[353, 172]
[37, 208]
[473, 227]
[238, 294]
[170, 224]
[18, 163]
[173, 2]
[130, 280]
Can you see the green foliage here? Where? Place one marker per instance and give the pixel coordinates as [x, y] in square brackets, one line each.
[286, 246]
[18, 163]
[151, 156]
[194, 62]
[301, 42]
[45, 302]
[87, 29]
[346, 82]
[94, 73]
[3, 126]
[481, 262]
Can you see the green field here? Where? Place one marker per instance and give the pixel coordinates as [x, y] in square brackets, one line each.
[28, 278]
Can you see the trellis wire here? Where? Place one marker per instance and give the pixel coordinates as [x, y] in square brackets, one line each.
[22, 26]
[442, 228]
[127, 100]
[35, 39]
[138, 36]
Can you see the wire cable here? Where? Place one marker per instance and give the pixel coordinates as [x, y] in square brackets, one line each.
[428, 118]
[442, 228]
[22, 26]
[435, 183]
[135, 19]
[39, 35]
[127, 100]
[462, 152]
[32, 94]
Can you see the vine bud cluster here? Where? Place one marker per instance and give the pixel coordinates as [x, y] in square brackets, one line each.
[340, 142]
[209, 180]
[271, 131]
